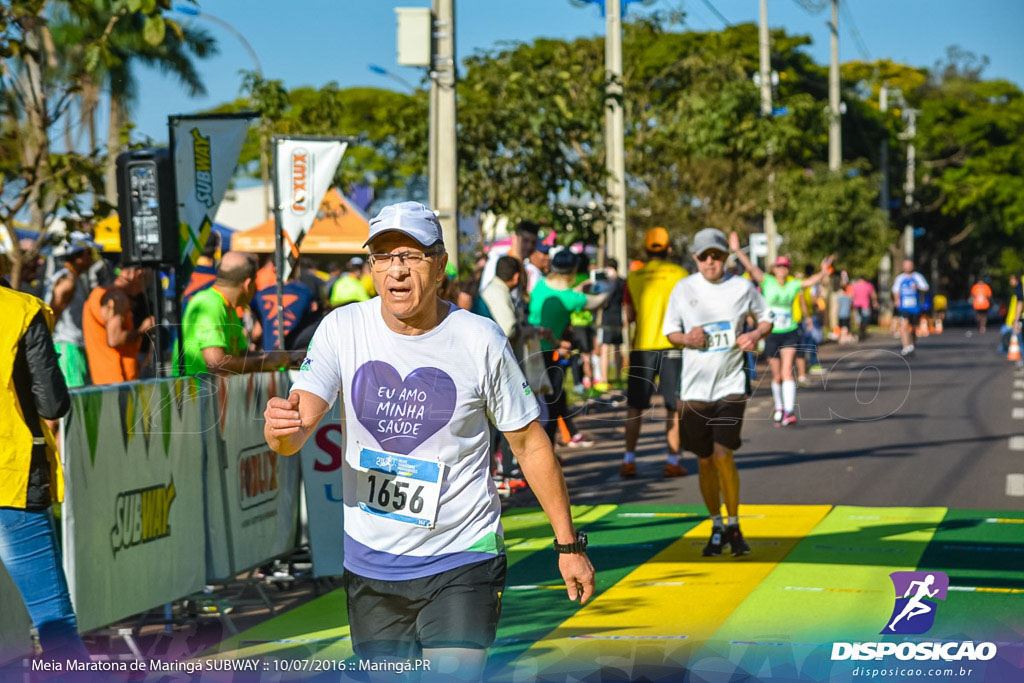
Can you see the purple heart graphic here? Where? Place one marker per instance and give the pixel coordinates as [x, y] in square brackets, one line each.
[402, 414]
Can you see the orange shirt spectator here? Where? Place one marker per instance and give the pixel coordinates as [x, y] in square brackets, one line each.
[112, 341]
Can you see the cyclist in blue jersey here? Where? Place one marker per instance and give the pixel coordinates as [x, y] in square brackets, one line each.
[907, 289]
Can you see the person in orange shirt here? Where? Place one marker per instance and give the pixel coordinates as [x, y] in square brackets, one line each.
[981, 298]
[112, 340]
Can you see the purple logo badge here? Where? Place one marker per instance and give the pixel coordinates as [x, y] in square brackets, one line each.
[402, 414]
[916, 592]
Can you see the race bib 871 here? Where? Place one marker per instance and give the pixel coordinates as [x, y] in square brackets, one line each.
[398, 487]
[718, 336]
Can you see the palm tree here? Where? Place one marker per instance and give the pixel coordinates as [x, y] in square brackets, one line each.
[114, 68]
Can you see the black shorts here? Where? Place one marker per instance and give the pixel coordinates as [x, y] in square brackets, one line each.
[456, 608]
[583, 339]
[609, 335]
[781, 340]
[644, 366]
[913, 318]
[844, 322]
[705, 424]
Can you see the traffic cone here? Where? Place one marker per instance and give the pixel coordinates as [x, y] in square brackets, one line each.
[922, 329]
[1014, 352]
[564, 428]
[938, 326]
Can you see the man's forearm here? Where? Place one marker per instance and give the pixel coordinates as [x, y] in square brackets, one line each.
[541, 471]
[764, 328]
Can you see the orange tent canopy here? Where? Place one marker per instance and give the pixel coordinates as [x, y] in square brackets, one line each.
[338, 229]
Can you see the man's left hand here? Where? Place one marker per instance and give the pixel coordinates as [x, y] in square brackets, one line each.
[748, 341]
[578, 574]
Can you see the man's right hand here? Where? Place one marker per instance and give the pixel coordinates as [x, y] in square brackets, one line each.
[282, 415]
[695, 338]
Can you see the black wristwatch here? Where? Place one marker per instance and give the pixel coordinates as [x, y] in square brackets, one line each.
[578, 547]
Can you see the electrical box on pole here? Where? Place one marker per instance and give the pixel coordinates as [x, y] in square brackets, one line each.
[415, 28]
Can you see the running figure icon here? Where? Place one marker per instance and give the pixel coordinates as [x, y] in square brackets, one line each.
[915, 606]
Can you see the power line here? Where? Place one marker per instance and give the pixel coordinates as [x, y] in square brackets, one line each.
[812, 6]
[714, 10]
[848, 16]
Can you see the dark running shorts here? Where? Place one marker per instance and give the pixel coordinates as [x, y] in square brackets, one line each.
[781, 340]
[456, 608]
[644, 366]
[913, 318]
[583, 339]
[609, 335]
[705, 424]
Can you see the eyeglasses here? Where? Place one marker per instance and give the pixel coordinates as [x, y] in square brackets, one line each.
[713, 254]
[407, 259]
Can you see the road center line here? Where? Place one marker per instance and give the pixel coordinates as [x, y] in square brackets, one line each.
[1017, 443]
[1015, 485]
[1018, 413]
[1018, 396]
[1018, 384]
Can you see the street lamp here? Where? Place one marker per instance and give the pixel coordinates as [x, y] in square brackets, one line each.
[377, 69]
[194, 12]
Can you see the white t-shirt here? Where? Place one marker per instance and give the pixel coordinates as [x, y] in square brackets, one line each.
[720, 308]
[415, 420]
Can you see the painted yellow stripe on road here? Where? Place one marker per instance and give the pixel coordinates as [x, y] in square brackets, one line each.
[671, 603]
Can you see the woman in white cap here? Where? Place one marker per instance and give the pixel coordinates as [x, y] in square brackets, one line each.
[780, 291]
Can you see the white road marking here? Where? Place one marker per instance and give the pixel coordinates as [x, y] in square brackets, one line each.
[1018, 384]
[1015, 485]
[1018, 396]
[1018, 413]
[1017, 443]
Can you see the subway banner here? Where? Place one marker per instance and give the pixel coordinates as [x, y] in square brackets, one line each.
[205, 150]
[303, 171]
[321, 479]
[133, 506]
[252, 492]
[15, 641]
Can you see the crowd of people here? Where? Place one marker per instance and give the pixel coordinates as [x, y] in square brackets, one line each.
[490, 370]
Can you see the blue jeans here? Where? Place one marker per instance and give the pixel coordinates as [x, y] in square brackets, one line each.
[29, 551]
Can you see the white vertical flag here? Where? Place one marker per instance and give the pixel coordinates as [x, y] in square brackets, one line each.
[305, 169]
[205, 155]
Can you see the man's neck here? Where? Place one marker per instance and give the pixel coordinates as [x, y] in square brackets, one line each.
[230, 294]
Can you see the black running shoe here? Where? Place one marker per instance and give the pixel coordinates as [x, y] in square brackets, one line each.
[714, 546]
[734, 538]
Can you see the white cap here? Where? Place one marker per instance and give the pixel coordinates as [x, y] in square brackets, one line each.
[409, 218]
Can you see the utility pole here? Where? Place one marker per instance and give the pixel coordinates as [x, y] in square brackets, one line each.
[835, 145]
[443, 154]
[908, 186]
[614, 124]
[885, 264]
[770, 230]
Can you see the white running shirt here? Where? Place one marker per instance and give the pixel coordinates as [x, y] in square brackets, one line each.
[415, 417]
[720, 308]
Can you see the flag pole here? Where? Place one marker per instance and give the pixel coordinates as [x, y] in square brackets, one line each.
[278, 250]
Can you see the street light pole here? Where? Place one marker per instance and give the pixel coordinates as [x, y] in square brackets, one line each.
[835, 136]
[444, 168]
[770, 230]
[615, 135]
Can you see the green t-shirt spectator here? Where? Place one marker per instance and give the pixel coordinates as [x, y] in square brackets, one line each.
[210, 321]
[551, 308]
[348, 290]
[780, 298]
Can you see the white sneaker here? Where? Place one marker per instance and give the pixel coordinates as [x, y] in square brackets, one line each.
[777, 415]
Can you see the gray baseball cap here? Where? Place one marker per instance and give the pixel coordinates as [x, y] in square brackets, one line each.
[409, 218]
[709, 238]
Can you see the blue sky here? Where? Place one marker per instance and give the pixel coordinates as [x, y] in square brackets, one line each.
[312, 42]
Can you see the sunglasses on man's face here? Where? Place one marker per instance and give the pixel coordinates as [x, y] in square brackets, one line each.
[712, 254]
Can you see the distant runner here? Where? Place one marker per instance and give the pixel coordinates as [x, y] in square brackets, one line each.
[981, 300]
[780, 291]
[907, 289]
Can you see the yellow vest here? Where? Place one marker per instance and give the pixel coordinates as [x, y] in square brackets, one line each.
[16, 312]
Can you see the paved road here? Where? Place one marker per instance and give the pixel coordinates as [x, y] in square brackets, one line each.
[875, 430]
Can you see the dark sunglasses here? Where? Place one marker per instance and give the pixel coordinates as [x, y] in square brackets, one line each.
[713, 254]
